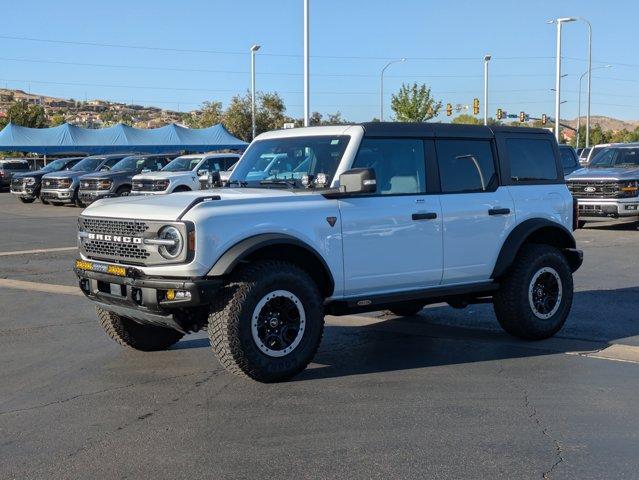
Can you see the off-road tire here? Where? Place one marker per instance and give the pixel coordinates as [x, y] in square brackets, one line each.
[230, 329]
[128, 333]
[511, 302]
[26, 200]
[406, 309]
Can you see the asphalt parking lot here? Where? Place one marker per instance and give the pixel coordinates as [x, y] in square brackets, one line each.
[444, 394]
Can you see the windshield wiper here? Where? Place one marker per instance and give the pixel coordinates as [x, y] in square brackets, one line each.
[288, 183]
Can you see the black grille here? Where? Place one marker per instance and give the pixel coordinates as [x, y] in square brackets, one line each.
[99, 248]
[129, 228]
[55, 183]
[595, 189]
[149, 186]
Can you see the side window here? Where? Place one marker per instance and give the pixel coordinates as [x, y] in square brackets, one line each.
[531, 160]
[399, 164]
[568, 158]
[110, 162]
[466, 165]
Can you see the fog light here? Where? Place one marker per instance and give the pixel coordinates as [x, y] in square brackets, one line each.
[177, 294]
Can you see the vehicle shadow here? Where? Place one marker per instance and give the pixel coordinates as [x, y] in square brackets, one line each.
[629, 226]
[440, 335]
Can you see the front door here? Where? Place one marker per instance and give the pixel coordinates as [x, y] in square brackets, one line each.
[392, 240]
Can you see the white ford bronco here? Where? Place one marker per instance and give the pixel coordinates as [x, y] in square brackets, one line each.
[351, 219]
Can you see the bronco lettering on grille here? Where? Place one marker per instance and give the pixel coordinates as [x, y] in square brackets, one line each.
[114, 238]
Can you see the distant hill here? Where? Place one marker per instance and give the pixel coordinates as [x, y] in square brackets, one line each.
[606, 123]
[93, 113]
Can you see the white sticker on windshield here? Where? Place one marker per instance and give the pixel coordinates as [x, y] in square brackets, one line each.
[335, 142]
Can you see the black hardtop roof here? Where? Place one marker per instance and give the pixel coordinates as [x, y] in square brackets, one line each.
[409, 129]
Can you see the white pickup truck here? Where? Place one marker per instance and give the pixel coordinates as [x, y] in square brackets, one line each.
[350, 219]
[184, 174]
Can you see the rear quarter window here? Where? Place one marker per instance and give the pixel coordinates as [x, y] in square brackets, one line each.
[531, 160]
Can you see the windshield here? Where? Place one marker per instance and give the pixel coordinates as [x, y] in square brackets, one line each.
[616, 158]
[89, 164]
[128, 163]
[288, 160]
[55, 165]
[182, 164]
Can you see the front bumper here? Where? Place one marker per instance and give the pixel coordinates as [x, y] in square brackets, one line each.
[609, 209]
[64, 195]
[89, 196]
[27, 191]
[143, 298]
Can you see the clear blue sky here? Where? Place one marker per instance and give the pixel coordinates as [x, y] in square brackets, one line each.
[444, 42]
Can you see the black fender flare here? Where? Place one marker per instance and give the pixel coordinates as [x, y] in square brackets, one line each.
[564, 240]
[243, 249]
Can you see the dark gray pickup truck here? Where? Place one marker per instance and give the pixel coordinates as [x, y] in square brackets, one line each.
[117, 181]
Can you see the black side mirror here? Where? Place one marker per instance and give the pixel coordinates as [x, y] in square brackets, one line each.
[358, 180]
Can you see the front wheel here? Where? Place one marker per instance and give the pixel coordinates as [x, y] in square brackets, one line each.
[129, 333]
[535, 297]
[269, 321]
[124, 191]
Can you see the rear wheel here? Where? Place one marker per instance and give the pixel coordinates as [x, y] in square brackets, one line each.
[129, 333]
[535, 297]
[269, 321]
[26, 199]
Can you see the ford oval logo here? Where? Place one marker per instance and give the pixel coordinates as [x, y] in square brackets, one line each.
[590, 189]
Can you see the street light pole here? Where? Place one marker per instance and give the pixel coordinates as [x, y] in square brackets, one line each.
[559, 22]
[587, 72]
[486, 60]
[381, 87]
[589, 79]
[307, 114]
[254, 49]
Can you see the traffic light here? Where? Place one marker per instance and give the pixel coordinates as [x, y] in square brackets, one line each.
[449, 109]
[500, 114]
[544, 119]
[475, 106]
[522, 117]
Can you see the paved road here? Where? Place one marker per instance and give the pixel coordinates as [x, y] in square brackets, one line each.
[444, 394]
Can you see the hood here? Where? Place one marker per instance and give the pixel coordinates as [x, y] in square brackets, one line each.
[171, 207]
[32, 173]
[604, 174]
[65, 174]
[164, 175]
[109, 174]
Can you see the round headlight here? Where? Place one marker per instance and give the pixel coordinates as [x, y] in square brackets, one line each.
[172, 234]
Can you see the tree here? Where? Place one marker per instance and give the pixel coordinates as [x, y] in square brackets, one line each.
[414, 103]
[210, 114]
[269, 114]
[26, 115]
[57, 119]
[317, 118]
[468, 119]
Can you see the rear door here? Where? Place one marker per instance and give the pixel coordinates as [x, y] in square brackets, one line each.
[392, 240]
[531, 168]
[477, 212]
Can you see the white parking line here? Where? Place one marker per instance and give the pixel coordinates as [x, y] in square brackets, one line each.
[40, 287]
[39, 250]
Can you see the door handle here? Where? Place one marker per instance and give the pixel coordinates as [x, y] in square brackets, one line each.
[499, 211]
[424, 216]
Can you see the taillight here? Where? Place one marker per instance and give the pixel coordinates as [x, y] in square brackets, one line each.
[575, 214]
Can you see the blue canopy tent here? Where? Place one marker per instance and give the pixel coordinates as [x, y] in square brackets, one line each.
[69, 139]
